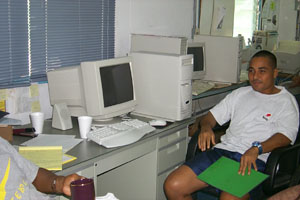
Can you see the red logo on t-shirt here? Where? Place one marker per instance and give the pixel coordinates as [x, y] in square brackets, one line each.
[267, 116]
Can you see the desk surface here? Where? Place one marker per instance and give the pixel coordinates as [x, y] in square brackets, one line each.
[216, 91]
[88, 152]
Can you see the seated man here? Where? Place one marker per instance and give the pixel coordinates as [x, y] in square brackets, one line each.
[262, 117]
[21, 179]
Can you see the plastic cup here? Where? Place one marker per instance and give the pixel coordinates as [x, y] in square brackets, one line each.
[85, 123]
[37, 121]
[83, 189]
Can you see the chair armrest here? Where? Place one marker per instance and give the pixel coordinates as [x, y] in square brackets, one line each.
[295, 178]
[277, 158]
[192, 146]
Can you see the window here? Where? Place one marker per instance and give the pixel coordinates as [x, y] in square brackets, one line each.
[39, 35]
[246, 18]
[14, 69]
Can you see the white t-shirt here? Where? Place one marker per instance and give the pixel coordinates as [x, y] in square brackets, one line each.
[17, 175]
[256, 117]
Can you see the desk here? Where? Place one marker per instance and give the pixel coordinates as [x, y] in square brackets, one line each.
[206, 100]
[132, 172]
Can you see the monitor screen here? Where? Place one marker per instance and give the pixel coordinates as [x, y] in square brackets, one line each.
[101, 89]
[116, 84]
[198, 50]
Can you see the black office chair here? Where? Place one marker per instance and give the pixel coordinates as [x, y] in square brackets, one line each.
[283, 168]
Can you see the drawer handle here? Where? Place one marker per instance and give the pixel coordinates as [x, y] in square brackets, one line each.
[173, 148]
[174, 136]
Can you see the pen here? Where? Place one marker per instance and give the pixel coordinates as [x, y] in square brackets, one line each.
[23, 130]
[27, 132]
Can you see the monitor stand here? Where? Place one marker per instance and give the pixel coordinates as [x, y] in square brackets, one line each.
[106, 122]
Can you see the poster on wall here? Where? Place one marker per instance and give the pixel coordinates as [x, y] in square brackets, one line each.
[223, 18]
[270, 15]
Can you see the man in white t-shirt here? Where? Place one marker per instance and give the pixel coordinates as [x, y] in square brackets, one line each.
[21, 179]
[262, 117]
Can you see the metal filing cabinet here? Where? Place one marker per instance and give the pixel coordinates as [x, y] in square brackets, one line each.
[171, 154]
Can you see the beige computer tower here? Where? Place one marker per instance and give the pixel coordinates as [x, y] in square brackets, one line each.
[163, 85]
[223, 57]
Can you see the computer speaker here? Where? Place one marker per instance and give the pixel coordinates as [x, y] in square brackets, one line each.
[61, 118]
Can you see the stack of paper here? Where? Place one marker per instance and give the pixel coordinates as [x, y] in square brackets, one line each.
[66, 141]
[48, 151]
[48, 157]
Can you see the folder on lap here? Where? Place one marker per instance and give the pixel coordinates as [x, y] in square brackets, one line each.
[223, 174]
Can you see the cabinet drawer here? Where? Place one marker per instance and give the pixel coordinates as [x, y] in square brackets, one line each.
[178, 135]
[172, 155]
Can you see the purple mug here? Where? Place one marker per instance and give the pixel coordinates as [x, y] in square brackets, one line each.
[83, 189]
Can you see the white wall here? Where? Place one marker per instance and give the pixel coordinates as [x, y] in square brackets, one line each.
[175, 18]
[159, 17]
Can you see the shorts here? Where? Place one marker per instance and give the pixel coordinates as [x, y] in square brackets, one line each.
[204, 159]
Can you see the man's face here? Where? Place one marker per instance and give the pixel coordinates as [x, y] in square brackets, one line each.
[261, 75]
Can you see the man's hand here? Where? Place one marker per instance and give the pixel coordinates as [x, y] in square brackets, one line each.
[206, 138]
[248, 160]
[63, 183]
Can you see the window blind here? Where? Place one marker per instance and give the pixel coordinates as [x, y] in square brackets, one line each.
[14, 69]
[67, 32]
[39, 35]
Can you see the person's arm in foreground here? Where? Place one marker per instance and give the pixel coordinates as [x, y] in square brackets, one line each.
[291, 193]
[48, 182]
[193, 128]
[249, 157]
[206, 137]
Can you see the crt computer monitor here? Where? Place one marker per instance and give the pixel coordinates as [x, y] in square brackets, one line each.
[101, 89]
[288, 56]
[198, 50]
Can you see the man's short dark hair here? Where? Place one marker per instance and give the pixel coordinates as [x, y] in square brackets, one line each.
[267, 54]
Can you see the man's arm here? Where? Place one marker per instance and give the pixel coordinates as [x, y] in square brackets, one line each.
[193, 128]
[207, 136]
[249, 157]
[47, 182]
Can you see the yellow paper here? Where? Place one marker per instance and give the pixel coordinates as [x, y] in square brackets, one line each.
[68, 158]
[48, 157]
[3, 94]
[2, 105]
[34, 90]
[35, 106]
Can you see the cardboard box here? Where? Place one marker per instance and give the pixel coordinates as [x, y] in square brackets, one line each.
[6, 132]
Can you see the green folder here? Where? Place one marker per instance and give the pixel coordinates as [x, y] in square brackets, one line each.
[223, 174]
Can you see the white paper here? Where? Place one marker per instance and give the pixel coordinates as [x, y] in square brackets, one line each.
[108, 196]
[66, 141]
[220, 17]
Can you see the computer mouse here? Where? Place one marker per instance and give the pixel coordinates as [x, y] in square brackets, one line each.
[157, 122]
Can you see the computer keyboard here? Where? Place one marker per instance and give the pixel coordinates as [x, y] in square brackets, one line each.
[120, 134]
